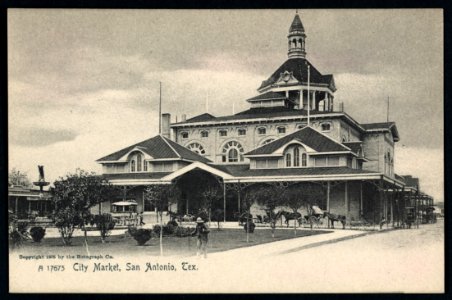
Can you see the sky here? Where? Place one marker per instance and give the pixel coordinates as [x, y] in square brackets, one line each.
[85, 83]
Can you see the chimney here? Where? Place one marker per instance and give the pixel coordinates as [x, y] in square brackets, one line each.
[166, 120]
[184, 118]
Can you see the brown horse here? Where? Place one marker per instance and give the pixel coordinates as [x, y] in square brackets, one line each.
[291, 216]
[333, 218]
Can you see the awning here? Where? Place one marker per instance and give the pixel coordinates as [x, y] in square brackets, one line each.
[124, 203]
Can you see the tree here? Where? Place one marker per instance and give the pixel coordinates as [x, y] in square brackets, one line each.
[210, 196]
[269, 197]
[73, 196]
[159, 196]
[249, 195]
[17, 177]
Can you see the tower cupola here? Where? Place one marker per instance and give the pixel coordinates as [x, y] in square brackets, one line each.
[296, 39]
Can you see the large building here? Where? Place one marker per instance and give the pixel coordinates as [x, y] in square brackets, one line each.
[293, 135]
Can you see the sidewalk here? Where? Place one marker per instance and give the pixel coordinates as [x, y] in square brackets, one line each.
[290, 245]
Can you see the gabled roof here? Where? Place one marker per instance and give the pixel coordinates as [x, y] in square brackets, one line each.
[383, 126]
[298, 67]
[308, 136]
[268, 96]
[158, 147]
[200, 118]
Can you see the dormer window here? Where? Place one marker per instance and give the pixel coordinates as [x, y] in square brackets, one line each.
[204, 134]
[299, 126]
[281, 129]
[132, 165]
[241, 131]
[325, 126]
[261, 130]
[223, 132]
[184, 135]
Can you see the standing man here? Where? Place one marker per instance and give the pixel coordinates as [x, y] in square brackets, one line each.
[202, 232]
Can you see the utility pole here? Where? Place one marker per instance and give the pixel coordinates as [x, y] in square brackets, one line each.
[160, 109]
[387, 112]
[309, 100]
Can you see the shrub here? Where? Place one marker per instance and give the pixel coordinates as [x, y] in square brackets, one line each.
[250, 225]
[173, 222]
[183, 231]
[167, 229]
[140, 235]
[37, 233]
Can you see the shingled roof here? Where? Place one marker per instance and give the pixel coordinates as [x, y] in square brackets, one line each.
[308, 136]
[158, 147]
[268, 96]
[245, 171]
[355, 146]
[296, 24]
[298, 67]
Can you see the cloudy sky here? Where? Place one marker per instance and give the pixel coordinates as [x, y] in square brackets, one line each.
[84, 83]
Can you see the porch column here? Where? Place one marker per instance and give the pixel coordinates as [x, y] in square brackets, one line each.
[328, 188]
[346, 200]
[300, 106]
[16, 208]
[361, 209]
[391, 208]
[224, 201]
[29, 206]
[381, 200]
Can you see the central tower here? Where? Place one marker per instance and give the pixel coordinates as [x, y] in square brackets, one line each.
[297, 39]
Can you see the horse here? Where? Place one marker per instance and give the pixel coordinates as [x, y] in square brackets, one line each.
[242, 217]
[333, 218]
[291, 216]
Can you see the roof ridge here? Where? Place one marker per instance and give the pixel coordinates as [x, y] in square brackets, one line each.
[327, 136]
[128, 147]
[172, 148]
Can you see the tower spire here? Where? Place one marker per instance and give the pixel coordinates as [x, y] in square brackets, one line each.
[296, 38]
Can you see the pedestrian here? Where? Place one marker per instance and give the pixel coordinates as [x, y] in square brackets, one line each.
[202, 232]
[141, 219]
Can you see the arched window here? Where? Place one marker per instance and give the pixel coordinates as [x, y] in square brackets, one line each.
[197, 148]
[294, 41]
[139, 162]
[296, 157]
[299, 41]
[288, 160]
[232, 152]
[132, 165]
[326, 126]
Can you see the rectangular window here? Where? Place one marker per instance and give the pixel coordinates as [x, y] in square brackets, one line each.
[281, 129]
[261, 130]
[242, 131]
[333, 161]
[184, 135]
[272, 163]
[167, 167]
[204, 134]
[223, 132]
[261, 164]
[145, 166]
[320, 161]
